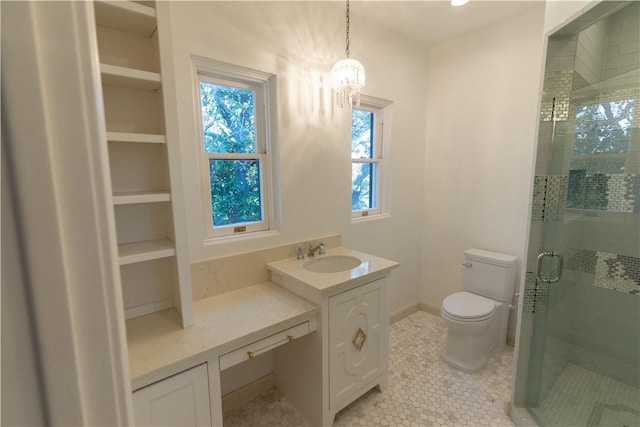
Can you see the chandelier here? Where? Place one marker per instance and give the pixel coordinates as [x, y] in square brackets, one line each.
[347, 77]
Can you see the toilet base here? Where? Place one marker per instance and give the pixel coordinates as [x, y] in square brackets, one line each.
[467, 351]
[470, 368]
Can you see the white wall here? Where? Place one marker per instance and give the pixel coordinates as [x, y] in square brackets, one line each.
[482, 120]
[299, 42]
[559, 12]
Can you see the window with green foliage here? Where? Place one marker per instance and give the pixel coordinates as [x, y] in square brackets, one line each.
[366, 159]
[603, 127]
[235, 155]
[600, 149]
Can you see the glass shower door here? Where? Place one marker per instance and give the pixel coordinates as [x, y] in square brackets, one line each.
[581, 365]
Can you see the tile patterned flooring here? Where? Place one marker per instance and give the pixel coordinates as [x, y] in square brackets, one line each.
[423, 390]
[580, 397]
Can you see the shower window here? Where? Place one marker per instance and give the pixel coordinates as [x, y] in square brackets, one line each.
[603, 127]
[602, 134]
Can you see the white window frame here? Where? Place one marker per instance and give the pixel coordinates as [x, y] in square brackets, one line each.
[264, 88]
[380, 110]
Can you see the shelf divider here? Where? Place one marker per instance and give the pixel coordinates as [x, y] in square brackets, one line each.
[146, 138]
[115, 75]
[134, 197]
[145, 251]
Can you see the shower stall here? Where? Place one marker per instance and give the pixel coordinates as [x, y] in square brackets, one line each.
[578, 356]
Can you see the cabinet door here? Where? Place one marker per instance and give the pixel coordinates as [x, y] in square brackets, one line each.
[356, 342]
[180, 400]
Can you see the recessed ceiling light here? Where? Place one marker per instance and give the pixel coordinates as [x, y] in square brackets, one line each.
[459, 2]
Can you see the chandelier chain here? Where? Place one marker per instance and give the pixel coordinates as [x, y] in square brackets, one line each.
[347, 49]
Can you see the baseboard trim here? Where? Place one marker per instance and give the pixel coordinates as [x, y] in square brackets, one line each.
[430, 309]
[248, 392]
[403, 312]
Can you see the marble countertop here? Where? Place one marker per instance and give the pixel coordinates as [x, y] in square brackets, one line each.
[159, 346]
[326, 283]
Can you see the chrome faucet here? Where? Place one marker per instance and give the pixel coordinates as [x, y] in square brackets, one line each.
[299, 255]
[319, 249]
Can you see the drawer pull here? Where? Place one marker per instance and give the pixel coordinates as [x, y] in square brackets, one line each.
[359, 339]
[263, 345]
[253, 354]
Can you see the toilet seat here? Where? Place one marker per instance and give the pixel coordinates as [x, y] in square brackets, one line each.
[468, 307]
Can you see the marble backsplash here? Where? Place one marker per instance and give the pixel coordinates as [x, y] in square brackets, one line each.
[225, 274]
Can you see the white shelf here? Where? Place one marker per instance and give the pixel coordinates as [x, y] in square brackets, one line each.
[126, 16]
[115, 75]
[145, 251]
[146, 138]
[130, 198]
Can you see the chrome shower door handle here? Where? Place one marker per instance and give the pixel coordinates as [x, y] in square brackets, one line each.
[558, 269]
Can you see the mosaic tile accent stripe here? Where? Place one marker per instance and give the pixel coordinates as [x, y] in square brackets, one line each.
[555, 198]
[607, 192]
[555, 95]
[618, 272]
[549, 195]
[611, 271]
[537, 205]
[536, 295]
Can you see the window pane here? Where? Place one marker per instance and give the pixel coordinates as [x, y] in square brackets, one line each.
[363, 186]
[235, 191]
[603, 127]
[361, 134]
[228, 121]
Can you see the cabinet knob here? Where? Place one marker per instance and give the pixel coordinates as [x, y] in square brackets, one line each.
[359, 339]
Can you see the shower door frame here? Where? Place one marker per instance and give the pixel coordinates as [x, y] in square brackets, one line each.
[526, 340]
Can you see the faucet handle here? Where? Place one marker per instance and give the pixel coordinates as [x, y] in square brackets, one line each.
[300, 255]
[322, 250]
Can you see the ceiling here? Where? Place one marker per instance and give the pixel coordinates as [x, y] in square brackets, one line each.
[433, 21]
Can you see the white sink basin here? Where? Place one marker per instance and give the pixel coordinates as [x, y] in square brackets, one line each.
[331, 264]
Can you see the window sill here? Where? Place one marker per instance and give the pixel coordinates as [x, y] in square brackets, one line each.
[358, 219]
[221, 240]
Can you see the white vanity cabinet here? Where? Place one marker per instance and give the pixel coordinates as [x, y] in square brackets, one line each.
[350, 354]
[358, 343]
[180, 400]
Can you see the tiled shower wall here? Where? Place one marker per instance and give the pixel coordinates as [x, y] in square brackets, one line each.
[586, 205]
[576, 186]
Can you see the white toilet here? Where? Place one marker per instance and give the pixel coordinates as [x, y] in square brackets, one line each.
[477, 318]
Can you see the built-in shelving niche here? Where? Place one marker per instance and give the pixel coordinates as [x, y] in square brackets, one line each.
[131, 76]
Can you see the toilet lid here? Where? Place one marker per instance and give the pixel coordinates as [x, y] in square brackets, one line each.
[466, 305]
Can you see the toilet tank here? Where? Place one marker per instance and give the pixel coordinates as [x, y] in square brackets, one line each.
[490, 274]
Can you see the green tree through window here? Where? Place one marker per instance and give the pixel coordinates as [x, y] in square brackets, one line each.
[362, 148]
[228, 120]
[229, 134]
[603, 127]
[367, 158]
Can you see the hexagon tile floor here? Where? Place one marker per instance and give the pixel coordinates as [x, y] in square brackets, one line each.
[423, 390]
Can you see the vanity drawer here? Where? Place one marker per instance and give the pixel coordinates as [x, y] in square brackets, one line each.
[261, 346]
